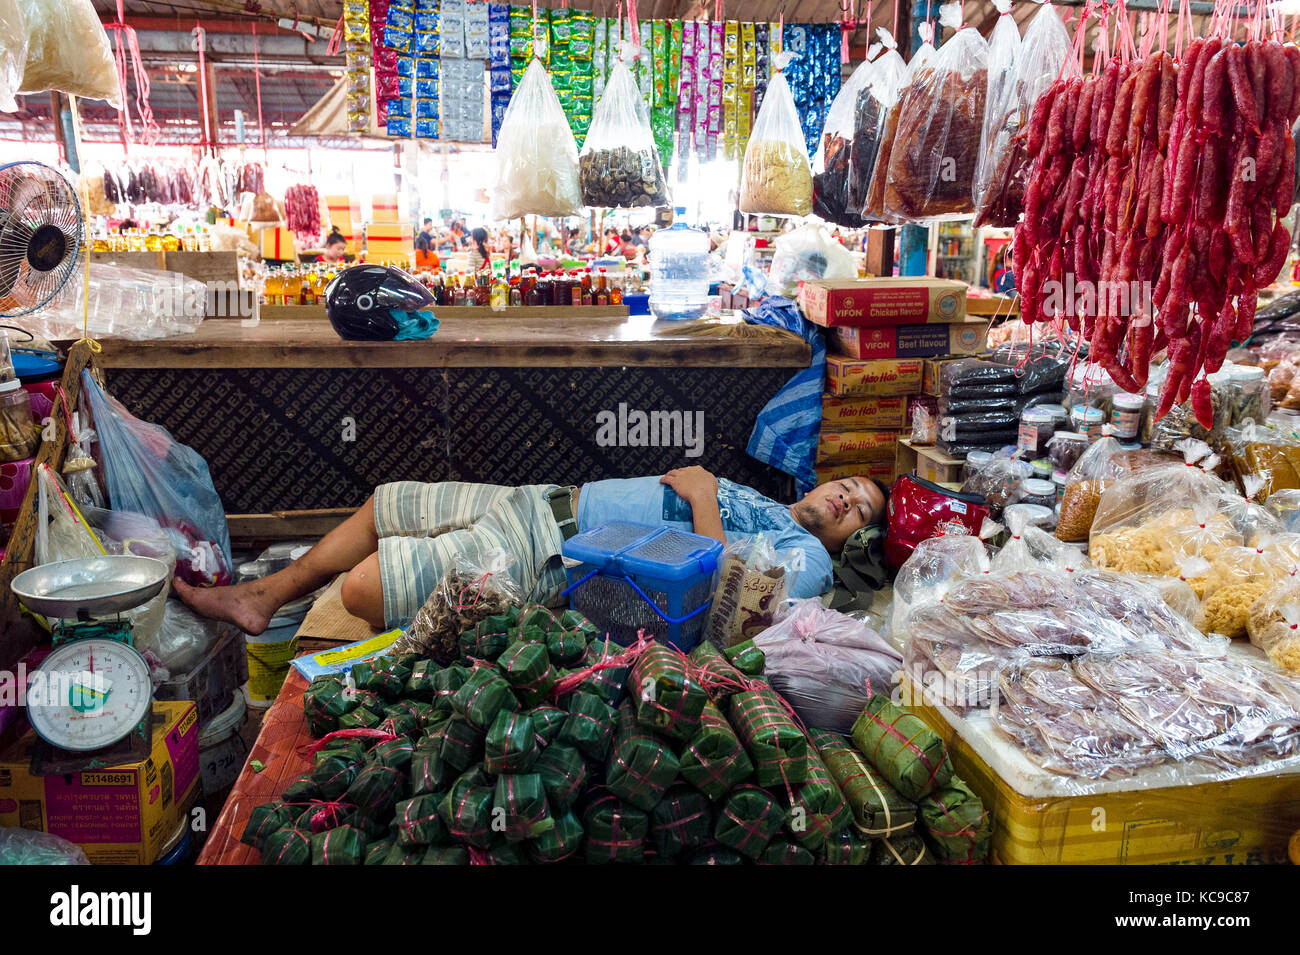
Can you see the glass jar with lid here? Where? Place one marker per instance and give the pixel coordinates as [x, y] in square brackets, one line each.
[1249, 390]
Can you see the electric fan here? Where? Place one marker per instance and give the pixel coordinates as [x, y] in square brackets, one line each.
[41, 236]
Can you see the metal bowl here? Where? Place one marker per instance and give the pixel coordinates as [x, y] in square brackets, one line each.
[91, 586]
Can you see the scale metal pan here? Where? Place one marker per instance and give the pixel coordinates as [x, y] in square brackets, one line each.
[93, 586]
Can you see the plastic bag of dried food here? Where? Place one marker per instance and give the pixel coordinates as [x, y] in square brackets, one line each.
[935, 565]
[1264, 459]
[971, 376]
[13, 52]
[1273, 624]
[873, 207]
[937, 139]
[472, 591]
[1238, 577]
[28, 847]
[753, 580]
[619, 164]
[1033, 548]
[808, 252]
[1000, 111]
[1280, 377]
[1038, 62]
[925, 426]
[998, 482]
[872, 109]
[1084, 484]
[777, 177]
[1285, 506]
[537, 159]
[68, 50]
[1254, 522]
[833, 165]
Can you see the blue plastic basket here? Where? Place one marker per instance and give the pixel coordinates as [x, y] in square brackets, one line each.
[631, 577]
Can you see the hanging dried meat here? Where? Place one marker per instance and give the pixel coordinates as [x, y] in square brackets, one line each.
[302, 211]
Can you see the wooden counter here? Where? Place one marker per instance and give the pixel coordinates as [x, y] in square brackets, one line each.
[567, 340]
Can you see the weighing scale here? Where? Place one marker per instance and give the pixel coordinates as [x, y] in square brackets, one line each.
[91, 700]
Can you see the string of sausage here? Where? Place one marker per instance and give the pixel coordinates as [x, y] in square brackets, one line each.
[1165, 175]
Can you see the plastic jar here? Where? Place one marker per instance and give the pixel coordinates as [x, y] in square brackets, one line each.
[1250, 394]
[1041, 468]
[1060, 416]
[1059, 480]
[1030, 515]
[1087, 421]
[18, 439]
[1037, 491]
[1126, 415]
[1036, 429]
[1065, 448]
[974, 461]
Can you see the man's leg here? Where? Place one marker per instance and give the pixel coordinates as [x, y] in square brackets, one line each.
[251, 606]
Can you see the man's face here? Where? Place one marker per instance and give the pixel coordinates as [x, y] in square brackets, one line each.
[833, 511]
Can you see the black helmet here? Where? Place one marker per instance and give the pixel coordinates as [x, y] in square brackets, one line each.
[378, 303]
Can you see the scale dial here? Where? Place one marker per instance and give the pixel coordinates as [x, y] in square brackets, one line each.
[91, 693]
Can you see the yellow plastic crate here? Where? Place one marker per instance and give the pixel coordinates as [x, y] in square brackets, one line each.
[1242, 821]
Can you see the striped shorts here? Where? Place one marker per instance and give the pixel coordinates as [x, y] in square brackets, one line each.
[425, 530]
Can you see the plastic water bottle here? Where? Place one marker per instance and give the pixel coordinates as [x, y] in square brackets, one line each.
[679, 271]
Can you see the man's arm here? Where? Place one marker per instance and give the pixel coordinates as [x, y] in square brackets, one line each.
[698, 488]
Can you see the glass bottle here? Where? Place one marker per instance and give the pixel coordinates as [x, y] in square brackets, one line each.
[500, 297]
[615, 291]
[458, 296]
[170, 242]
[516, 292]
[482, 290]
[575, 289]
[274, 287]
[101, 242]
[601, 294]
[153, 241]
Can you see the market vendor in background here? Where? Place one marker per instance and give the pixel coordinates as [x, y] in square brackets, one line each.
[613, 244]
[480, 257]
[426, 257]
[397, 547]
[336, 247]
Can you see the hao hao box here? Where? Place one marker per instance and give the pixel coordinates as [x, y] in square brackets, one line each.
[863, 414]
[882, 301]
[844, 447]
[912, 341]
[119, 815]
[882, 377]
[885, 471]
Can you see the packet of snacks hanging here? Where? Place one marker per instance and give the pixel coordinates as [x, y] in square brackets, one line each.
[871, 111]
[873, 208]
[619, 163]
[1004, 48]
[937, 139]
[833, 163]
[537, 158]
[777, 178]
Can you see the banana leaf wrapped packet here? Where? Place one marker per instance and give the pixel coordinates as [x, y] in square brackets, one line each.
[714, 761]
[462, 743]
[527, 668]
[564, 775]
[287, 846]
[429, 773]
[420, 684]
[327, 699]
[908, 753]
[616, 832]
[566, 647]
[818, 810]
[716, 855]
[384, 676]
[748, 820]
[846, 847]
[547, 721]
[956, 824]
[667, 699]
[682, 821]
[906, 849]
[640, 767]
[444, 855]
[333, 773]
[610, 679]
[418, 822]
[374, 793]
[778, 747]
[446, 683]
[482, 696]
[467, 810]
[264, 820]
[561, 842]
[782, 851]
[520, 807]
[746, 657]
[878, 809]
[590, 725]
[302, 790]
[399, 722]
[394, 752]
[399, 854]
[511, 744]
[484, 642]
[343, 845]
[377, 851]
[715, 673]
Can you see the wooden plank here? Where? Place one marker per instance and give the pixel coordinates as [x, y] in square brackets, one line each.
[316, 313]
[206, 267]
[134, 260]
[18, 635]
[286, 525]
[488, 340]
[880, 252]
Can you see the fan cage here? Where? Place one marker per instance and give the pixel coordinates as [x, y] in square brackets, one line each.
[42, 236]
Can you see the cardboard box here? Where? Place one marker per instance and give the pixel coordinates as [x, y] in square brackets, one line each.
[845, 447]
[876, 470]
[119, 815]
[937, 467]
[277, 243]
[931, 369]
[912, 341]
[863, 414]
[882, 301]
[385, 207]
[345, 215]
[390, 243]
[882, 377]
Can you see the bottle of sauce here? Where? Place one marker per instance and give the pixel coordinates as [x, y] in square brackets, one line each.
[575, 289]
[601, 294]
[615, 291]
[170, 242]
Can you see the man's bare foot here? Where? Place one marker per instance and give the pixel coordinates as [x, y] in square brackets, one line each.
[245, 605]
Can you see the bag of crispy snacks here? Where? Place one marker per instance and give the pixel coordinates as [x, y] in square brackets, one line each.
[956, 824]
[910, 756]
[776, 178]
[936, 140]
[751, 588]
[537, 158]
[1238, 577]
[873, 104]
[1001, 110]
[472, 591]
[1273, 624]
[833, 165]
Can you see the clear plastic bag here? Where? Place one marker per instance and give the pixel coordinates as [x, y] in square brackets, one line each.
[776, 178]
[1032, 548]
[808, 252]
[1264, 459]
[1001, 110]
[1084, 484]
[13, 52]
[874, 206]
[537, 158]
[833, 163]
[998, 482]
[61, 532]
[870, 114]
[937, 139]
[826, 664]
[470, 592]
[619, 164]
[68, 50]
[925, 426]
[1038, 62]
[29, 847]
[122, 532]
[753, 580]
[1285, 506]
[179, 644]
[149, 472]
[1273, 624]
[1238, 577]
[935, 565]
[129, 303]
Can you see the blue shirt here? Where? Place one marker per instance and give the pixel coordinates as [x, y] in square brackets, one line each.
[744, 512]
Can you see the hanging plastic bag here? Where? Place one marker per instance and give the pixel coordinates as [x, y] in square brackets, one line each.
[13, 52]
[753, 580]
[537, 158]
[777, 177]
[873, 208]
[1032, 548]
[1005, 163]
[833, 164]
[808, 252]
[1004, 47]
[619, 165]
[149, 472]
[872, 109]
[68, 51]
[936, 143]
[61, 532]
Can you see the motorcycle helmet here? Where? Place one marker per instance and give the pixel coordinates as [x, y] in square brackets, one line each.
[379, 303]
[917, 509]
